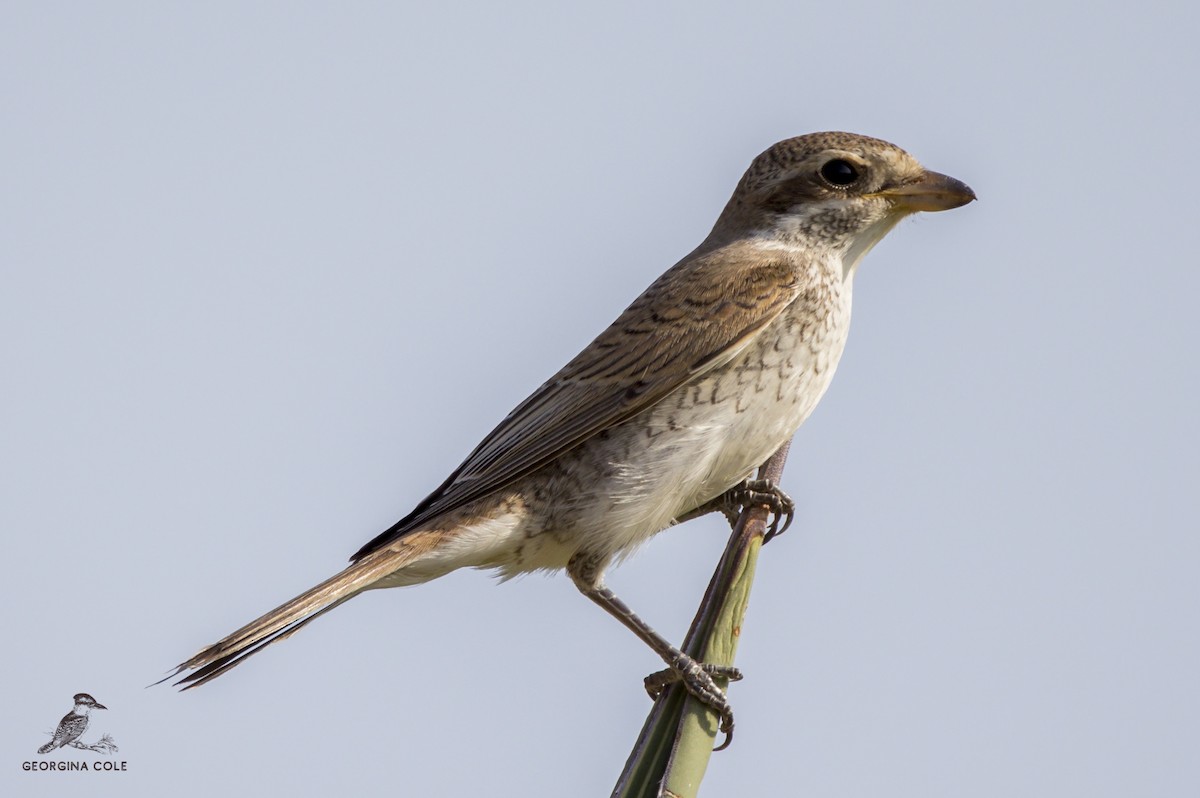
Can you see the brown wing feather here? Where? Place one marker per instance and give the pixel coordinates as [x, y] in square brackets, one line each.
[693, 318]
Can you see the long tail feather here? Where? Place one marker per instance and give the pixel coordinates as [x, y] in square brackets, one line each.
[287, 619]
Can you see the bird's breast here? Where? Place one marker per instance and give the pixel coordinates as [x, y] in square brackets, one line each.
[711, 433]
[754, 404]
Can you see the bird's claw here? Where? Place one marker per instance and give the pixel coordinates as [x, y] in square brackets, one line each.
[749, 493]
[661, 680]
[698, 679]
[766, 492]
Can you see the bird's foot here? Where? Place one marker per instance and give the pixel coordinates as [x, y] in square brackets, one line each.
[765, 492]
[661, 680]
[747, 494]
[698, 679]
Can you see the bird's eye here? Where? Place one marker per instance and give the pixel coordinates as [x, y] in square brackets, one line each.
[839, 172]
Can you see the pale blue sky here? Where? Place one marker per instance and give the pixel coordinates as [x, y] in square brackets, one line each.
[271, 270]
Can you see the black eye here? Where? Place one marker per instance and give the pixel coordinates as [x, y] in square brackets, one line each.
[839, 173]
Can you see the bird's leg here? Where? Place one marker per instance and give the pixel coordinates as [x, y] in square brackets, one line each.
[586, 571]
[725, 504]
[659, 680]
[748, 493]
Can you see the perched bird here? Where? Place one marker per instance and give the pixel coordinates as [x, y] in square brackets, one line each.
[665, 414]
[73, 724]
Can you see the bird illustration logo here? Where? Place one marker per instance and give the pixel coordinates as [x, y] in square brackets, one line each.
[74, 724]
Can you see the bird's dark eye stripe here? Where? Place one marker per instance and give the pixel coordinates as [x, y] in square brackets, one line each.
[839, 172]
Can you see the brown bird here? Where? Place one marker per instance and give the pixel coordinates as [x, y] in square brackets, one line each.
[667, 413]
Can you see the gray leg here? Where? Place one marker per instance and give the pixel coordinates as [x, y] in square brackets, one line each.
[725, 504]
[697, 678]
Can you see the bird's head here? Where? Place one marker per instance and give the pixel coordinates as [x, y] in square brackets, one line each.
[839, 192]
[83, 699]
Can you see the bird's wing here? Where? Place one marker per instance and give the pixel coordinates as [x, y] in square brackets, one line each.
[69, 728]
[695, 317]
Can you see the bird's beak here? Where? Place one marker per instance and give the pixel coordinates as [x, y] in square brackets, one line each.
[99, 706]
[932, 192]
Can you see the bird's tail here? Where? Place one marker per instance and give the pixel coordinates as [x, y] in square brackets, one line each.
[47, 748]
[285, 620]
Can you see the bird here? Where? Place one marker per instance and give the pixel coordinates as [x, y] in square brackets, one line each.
[73, 724]
[665, 415]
